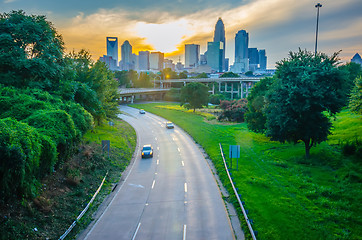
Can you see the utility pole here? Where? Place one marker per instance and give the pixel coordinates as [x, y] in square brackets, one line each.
[316, 34]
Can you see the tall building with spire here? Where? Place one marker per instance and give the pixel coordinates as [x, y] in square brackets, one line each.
[219, 36]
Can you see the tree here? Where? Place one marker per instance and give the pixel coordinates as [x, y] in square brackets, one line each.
[355, 101]
[249, 73]
[353, 70]
[229, 75]
[182, 75]
[194, 95]
[31, 51]
[167, 73]
[255, 116]
[202, 75]
[308, 89]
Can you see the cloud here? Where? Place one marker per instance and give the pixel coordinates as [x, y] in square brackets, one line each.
[274, 25]
[9, 1]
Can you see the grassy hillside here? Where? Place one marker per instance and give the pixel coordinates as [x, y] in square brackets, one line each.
[288, 197]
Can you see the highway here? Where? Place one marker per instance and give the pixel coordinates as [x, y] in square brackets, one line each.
[170, 196]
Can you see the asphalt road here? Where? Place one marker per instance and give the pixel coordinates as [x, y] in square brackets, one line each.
[170, 196]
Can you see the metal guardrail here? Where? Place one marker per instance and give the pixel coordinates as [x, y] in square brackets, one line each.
[84, 210]
[237, 196]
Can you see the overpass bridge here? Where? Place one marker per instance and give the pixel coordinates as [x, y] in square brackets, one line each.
[239, 86]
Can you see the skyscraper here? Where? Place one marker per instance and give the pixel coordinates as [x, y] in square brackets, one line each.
[143, 60]
[262, 59]
[112, 48]
[219, 36]
[192, 55]
[156, 61]
[241, 63]
[241, 45]
[126, 54]
[215, 51]
[357, 59]
[253, 55]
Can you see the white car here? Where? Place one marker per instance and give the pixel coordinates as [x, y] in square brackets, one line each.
[169, 125]
[142, 111]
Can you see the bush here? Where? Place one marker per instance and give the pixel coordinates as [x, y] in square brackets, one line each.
[20, 151]
[216, 98]
[233, 110]
[82, 119]
[58, 125]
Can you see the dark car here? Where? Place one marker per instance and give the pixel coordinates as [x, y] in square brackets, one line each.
[147, 151]
[142, 111]
[169, 125]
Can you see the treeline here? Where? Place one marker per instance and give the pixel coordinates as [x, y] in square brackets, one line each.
[48, 100]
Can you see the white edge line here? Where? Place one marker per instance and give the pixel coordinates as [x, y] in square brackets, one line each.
[183, 164]
[184, 235]
[185, 187]
[138, 227]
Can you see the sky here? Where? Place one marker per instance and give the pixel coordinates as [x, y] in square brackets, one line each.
[278, 26]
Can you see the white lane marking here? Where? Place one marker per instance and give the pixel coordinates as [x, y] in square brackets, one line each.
[158, 161]
[153, 184]
[136, 185]
[134, 235]
[158, 148]
[183, 164]
[155, 138]
[184, 237]
[185, 187]
[178, 149]
[173, 138]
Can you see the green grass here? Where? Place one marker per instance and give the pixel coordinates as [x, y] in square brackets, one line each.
[288, 196]
[69, 189]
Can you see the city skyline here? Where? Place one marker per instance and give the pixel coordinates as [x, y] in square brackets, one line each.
[166, 27]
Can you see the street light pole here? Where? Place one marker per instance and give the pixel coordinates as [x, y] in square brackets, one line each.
[316, 34]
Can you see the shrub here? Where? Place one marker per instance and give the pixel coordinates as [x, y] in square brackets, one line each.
[20, 149]
[58, 125]
[216, 98]
[233, 110]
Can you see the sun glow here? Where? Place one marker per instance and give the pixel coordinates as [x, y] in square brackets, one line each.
[164, 37]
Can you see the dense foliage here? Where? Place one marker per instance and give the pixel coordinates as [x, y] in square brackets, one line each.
[307, 89]
[233, 110]
[255, 116]
[194, 95]
[355, 102]
[31, 51]
[229, 75]
[48, 100]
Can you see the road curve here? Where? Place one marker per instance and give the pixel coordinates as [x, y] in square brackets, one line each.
[170, 196]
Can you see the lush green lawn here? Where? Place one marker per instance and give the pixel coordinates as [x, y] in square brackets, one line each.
[288, 197]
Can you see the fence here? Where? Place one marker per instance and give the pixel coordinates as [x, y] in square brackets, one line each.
[237, 196]
[84, 210]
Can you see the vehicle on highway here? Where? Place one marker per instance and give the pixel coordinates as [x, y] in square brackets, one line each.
[169, 125]
[142, 111]
[147, 151]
